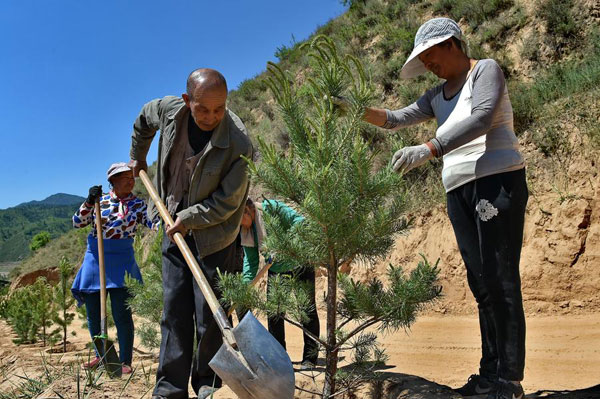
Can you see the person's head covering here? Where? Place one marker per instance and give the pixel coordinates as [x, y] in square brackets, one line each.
[432, 32]
[117, 168]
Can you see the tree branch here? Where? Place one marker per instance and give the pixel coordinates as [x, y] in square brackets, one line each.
[305, 331]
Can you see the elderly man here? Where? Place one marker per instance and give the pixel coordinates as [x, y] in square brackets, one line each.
[202, 179]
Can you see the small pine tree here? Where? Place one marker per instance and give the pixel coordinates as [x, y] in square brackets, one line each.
[20, 315]
[147, 298]
[44, 309]
[64, 300]
[352, 212]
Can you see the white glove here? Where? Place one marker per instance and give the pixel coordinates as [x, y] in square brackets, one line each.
[342, 103]
[408, 158]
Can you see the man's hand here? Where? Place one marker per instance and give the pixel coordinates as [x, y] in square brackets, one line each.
[137, 165]
[178, 227]
[410, 157]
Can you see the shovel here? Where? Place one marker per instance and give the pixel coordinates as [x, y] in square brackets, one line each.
[250, 361]
[104, 347]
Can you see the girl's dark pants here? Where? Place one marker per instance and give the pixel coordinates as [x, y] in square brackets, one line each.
[491, 250]
[121, 314]
[277, 325]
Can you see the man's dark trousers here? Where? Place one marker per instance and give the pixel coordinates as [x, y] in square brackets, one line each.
[184, 303]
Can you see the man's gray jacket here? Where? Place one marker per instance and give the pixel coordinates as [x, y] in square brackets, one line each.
[219, 184]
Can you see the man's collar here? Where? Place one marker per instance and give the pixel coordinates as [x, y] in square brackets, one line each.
[220, 136]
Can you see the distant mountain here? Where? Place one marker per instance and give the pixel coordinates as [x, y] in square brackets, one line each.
[57, 199]
[19, 224]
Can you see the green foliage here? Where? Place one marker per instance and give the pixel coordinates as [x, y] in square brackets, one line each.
[288, 53]
[20, 224]
[71, 245]
[352, 210]
[559, 80]
[21, 316]
[147, 299]
[139, 190]
[473, 12]
[39, 241]
[550, 140]
[30, 312]
[63, 299]
[558, 17]
[44, 309]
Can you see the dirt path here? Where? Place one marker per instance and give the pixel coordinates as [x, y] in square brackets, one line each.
[563, 353]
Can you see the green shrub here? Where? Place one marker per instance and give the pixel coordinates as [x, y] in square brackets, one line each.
[474, 12]
[21, 316]
[561, 80]
[44, 309]
[558, 17]
[550, 140]
[64, 300]
[39, 240]
[147, 299]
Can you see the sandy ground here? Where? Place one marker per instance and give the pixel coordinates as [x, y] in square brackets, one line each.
[563, 353]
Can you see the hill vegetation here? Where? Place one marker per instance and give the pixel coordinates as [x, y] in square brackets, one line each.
[548, 49]
[18, 225]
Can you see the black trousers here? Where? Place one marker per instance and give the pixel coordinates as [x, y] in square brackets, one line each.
[276, 324]
[183, 305]
[488, 216]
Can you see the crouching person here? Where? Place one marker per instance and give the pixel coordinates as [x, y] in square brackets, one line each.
[252, 235]
[122, 213]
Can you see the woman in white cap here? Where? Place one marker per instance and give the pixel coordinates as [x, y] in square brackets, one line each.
[122, 212]
[484, 177]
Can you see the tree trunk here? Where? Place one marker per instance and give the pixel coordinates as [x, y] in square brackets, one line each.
[331, 357]
[64, 331]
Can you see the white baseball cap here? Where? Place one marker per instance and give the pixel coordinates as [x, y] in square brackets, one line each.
[117, 168]
[432, 32]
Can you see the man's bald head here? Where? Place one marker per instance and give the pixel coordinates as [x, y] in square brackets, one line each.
[206, 79]
[206, 97]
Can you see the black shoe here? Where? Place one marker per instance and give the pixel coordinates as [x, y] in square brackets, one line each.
[507, 390]
[206, 391]
[476, 385]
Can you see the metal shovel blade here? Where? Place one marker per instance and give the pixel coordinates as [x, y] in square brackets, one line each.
[260, 368]
[109, 358]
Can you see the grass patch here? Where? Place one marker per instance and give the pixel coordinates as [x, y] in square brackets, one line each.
[559, 81]
[473, 12]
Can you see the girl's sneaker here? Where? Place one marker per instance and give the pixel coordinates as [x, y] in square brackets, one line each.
[126, 369]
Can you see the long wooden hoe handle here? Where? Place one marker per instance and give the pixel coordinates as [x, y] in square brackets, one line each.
[207, 291]
[103, 321]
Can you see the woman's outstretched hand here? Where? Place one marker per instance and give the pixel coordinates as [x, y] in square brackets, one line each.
[409, 158]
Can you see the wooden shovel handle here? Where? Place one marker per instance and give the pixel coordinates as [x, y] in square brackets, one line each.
[207, 291]
[254, 281]
[102, 271]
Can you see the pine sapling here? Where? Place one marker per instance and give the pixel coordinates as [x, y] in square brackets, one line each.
[64, 300]
[44, 309]
[352, 211]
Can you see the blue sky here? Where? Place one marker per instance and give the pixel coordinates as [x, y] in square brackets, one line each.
[76, 73]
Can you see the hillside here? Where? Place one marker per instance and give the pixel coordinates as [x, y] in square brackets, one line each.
[56, 199]
[550, 53]
[19, 224]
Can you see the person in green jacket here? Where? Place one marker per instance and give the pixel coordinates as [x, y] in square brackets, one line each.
[252, 235]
